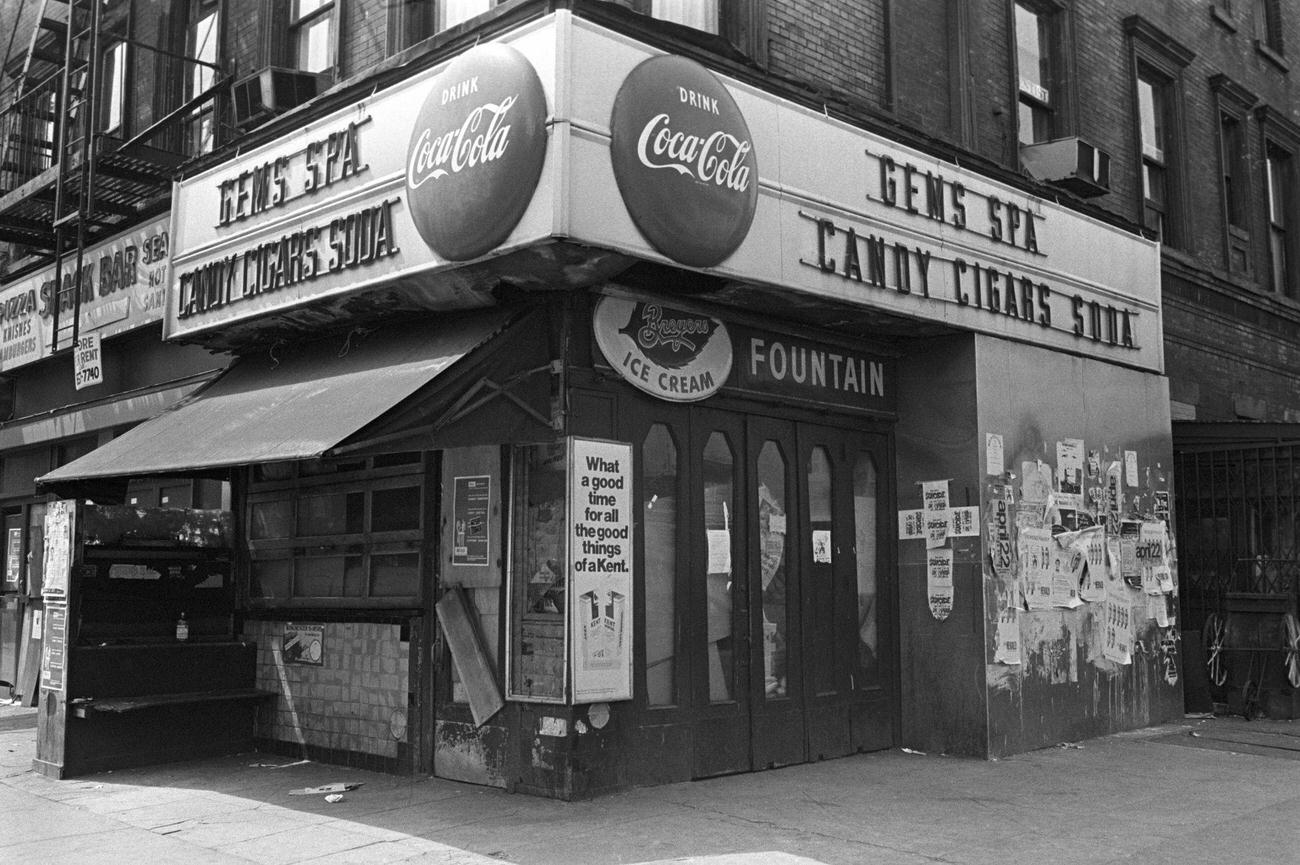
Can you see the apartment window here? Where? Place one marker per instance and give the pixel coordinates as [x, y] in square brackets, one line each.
[700, 14]
[1281, 203]
[1231, 149]
[203, 38]
[1268, 24]
[409, 22]
[1153, 126]
[453, 12]
[1035, 47]
[311, 32]
[1158, 64]
[114, 78]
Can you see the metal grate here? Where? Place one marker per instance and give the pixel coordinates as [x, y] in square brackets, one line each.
[1238, 518]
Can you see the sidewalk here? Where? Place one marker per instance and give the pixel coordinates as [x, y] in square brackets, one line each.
[1230, 791]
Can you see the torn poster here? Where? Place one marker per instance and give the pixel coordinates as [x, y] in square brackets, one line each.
[1035, 482]
[934, 498]
[1161, 507]
[1035, 567]
[911, 525]
[1158, 609]
[1131, 468]
[999, 529]
[938, 578]
[1117, 644]
[1069, 467]
[1114, 498]
[1008, 637]
[1128, 544]
[963, 522]
[993, 460]
[1067, 567]
[1150, 554]
[1091, 544]
[1164, 579]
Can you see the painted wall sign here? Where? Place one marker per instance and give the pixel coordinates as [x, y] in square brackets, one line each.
[805, 369]
[600, 560]
[476, 151]
[666, 352]
[684, 160]
[471, 507]
[122, 282]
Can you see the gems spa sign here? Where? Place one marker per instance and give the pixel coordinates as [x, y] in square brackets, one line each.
[668, 353]
[684, 161]
[476, 152]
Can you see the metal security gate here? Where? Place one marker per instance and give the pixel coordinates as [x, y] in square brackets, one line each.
[1238, 520]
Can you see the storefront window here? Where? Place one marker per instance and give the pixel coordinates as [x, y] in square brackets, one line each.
[819, 585]
[659, 511]
[538, 579]
[363, 520]
[719, 512]
[864, 520]
[772, 510]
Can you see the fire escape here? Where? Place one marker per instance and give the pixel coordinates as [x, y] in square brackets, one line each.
[65, 184]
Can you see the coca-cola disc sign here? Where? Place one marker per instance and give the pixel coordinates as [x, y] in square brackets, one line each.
[476, 152]
[684, 160]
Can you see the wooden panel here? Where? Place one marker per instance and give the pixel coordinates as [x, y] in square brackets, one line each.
[472, 663]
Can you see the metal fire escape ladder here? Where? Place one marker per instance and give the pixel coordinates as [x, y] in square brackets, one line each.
[74, 189]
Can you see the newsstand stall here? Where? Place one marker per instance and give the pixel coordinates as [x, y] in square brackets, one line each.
[140, 660]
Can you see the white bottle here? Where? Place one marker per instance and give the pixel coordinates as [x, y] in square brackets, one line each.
[182, 628]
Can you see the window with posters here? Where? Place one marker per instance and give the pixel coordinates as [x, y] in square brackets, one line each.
[571, 606]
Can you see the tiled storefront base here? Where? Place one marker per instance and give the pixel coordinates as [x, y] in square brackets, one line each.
[349, 709]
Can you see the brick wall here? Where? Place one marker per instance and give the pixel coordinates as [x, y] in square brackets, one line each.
[837, 48]
[345, 705]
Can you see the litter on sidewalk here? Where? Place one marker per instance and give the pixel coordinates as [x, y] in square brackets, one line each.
[337, 787]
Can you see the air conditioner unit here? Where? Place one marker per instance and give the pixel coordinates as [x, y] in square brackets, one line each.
[269, 92]
[1070, 163]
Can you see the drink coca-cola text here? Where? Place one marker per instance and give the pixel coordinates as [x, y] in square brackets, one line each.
[483, 137]
[718, 158]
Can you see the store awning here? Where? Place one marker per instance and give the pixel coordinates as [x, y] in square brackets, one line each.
[287, 404]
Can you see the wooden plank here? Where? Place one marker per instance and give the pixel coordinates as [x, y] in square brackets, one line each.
[472, 662]
[29, 658]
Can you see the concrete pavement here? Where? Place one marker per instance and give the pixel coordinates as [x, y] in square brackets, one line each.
[1192, 792]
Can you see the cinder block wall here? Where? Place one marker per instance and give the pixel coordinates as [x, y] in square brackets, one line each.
[343, 710]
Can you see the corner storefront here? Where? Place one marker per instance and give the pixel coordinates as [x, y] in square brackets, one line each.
[601, 421]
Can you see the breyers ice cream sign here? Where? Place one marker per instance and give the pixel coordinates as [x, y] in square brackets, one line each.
[684, 160]
[476, 152]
